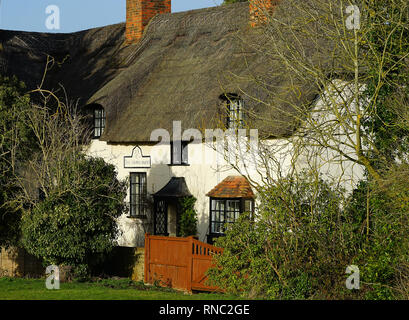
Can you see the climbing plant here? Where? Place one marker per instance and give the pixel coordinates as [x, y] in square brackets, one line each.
[188, 217]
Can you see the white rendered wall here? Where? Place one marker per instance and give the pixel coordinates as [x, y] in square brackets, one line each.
[200, 177]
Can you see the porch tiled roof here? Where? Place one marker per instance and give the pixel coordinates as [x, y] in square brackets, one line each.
[232, 187]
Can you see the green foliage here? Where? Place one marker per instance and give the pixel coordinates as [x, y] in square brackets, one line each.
[386, 246]
[15, 145]
[297, 247]
[188, 217]
[306, 234]
[77, 227]
[386, 51]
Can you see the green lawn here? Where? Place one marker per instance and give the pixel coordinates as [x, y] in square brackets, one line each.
[123, 289]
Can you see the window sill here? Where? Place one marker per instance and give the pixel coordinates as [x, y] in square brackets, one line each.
[179, 165]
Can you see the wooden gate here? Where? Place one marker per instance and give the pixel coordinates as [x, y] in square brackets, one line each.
[180, 263]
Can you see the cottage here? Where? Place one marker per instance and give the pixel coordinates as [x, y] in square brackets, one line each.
[159, 73]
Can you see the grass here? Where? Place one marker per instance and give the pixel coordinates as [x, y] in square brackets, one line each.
[107, 289]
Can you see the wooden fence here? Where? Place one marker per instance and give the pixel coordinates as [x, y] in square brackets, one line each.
[180, 263]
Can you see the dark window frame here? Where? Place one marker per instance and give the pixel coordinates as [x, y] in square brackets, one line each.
[222, 223]
[98, 130]
[184, 154]
[234, 111]
[138, 204]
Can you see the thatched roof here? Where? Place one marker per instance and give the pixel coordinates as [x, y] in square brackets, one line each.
[178, 71]
[84, 61]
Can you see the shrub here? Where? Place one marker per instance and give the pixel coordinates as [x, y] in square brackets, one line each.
[298, 246]
[384, 252]
[188, 217]
[306, 234]
[76, 226]
[15, 145]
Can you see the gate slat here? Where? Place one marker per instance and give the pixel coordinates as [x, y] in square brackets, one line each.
[178, 262]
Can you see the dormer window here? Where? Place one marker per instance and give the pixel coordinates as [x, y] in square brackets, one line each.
[234, 108]
[99, 122]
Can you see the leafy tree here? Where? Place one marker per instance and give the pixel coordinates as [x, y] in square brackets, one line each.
[188, 217]
[387, 49]
[78, 226]
[71, 201]
[16, 143]
[383, 256]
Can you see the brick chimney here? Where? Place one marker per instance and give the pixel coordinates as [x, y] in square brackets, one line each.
[260, 10]
[139, 13]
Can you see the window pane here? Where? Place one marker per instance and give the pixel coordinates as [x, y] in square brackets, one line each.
[217, 228]
[221, 205]
[185, 153]
[217, 216]
[99, 122]
[236, 117]
[229, 216]
[248, 206]
[232, 210]
[138, 194]
[176, 153]
[233, 205]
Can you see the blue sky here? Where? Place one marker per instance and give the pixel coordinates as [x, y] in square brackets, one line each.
[75, 15]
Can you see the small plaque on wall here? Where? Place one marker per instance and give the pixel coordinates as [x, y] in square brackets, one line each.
[137, 159]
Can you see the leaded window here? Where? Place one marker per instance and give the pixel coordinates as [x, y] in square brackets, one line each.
[235, 118]
[222, 212]
[138, 195]
[99, 122]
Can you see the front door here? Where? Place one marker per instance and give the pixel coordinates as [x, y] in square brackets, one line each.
[166, 217]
